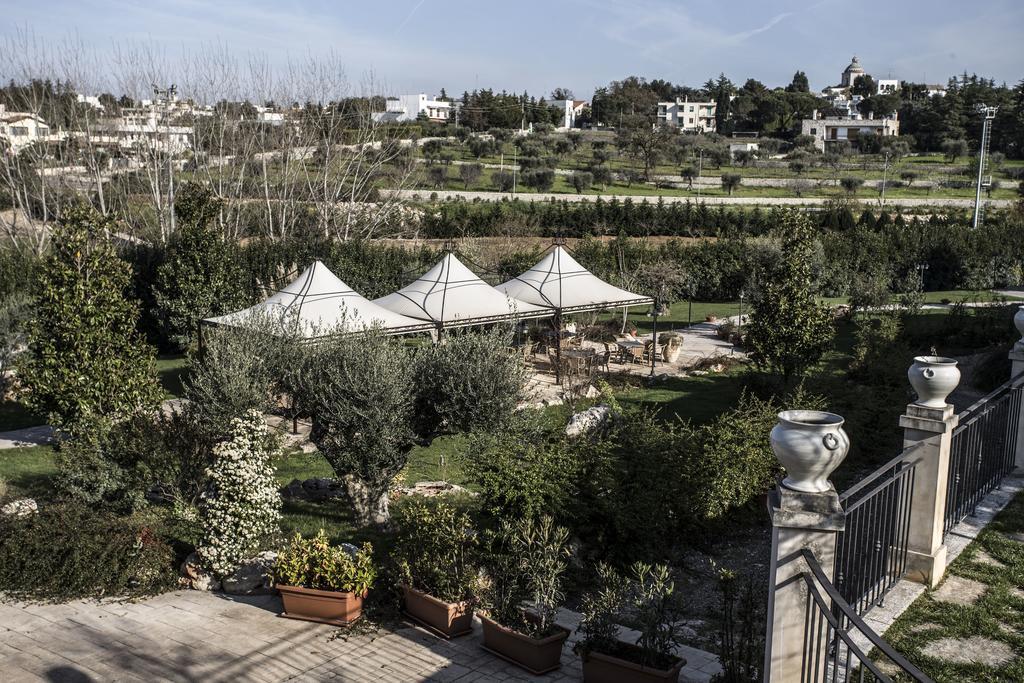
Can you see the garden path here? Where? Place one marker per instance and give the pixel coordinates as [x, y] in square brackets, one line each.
[191, 635]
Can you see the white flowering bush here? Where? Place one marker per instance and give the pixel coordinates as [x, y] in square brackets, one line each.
[242, 507]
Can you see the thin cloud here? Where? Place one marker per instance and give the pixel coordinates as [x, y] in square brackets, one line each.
[409, 16]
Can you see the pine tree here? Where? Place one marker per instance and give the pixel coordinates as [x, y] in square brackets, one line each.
[85, 359]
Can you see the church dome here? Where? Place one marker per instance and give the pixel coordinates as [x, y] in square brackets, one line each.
[854, 67]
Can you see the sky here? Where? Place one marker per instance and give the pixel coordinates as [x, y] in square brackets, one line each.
[426, 45]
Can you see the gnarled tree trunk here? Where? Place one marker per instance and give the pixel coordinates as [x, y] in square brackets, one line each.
[369, 502]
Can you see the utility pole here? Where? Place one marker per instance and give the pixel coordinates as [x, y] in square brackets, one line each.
[885, 170]
[700, 169]
[986, 135]
[162, 98]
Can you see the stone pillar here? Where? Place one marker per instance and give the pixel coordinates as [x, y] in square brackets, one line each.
[1017, 375]
[799, 520]
[933, 426]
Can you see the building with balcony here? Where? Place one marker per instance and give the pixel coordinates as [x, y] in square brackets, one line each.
[689, 117]
[828, 130]
[411, 107]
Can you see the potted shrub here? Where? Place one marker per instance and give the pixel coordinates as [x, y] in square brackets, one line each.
[527, 561]
[671, 346]
[321, 582]
[650, 594]
[434, 549]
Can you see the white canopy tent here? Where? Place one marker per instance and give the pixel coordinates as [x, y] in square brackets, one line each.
[451, 295]
[317, 304]
[558, 281]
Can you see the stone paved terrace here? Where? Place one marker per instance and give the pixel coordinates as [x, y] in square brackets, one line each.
[191, 635]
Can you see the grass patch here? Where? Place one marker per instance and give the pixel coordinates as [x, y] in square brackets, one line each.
[171, 371]
[698, 399]
[997, 615]
[28, 471]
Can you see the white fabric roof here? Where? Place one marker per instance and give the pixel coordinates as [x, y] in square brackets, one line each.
[321, 304]
[450, 294]
[558, 281]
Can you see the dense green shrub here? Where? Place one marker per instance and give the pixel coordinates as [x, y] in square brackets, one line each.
[15, 310]
[68, 551]
[527, 471]
[435, 549]
[470, 381]
[200, 274]
[315, 563]
[526, 560]
[85, 358]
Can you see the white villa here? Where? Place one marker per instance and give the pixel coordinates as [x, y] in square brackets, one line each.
[409, 107]
[569, 109]
[690, 117]
[839, 128]
[20, 129]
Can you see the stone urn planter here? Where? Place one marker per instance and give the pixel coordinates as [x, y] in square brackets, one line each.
[810, 444]
[1018, 321]
[671, 346]
[599, 667]
[536, 655]
[325, 607]
[933, 378]
[447, 619]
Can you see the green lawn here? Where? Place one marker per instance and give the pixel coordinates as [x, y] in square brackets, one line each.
[27, 471]
[998, 615]
[171, 371]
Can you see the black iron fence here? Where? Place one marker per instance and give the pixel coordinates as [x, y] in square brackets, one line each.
[871, 553]
[982, 451]
[830, 650]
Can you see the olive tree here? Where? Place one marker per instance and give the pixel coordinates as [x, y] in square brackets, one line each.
[469, 382]
[358, 391]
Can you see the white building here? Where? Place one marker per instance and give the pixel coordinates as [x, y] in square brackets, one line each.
[887, 86]
[742, 145]
[692, 117]
[569, 110]
[409, 107]
[833, 129]
[20, 129]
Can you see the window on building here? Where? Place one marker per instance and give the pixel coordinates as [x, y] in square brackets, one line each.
[814, 131]
[691, 120]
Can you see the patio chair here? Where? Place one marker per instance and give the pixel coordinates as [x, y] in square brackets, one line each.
[636, 354]
[602, 360]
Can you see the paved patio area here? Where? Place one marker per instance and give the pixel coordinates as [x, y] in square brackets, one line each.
[192, 636]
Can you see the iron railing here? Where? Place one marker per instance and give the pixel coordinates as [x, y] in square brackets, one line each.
[871, 552]
[982, 451]
[830, 650]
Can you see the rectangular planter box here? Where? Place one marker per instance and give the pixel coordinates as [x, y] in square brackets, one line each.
[538, 656]
[325, 607]
[601, 668]
[447, 619]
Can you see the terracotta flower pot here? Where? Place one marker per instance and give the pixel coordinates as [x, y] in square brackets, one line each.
[448, 619]
[603, 668]
[325, 607]
[538, 656]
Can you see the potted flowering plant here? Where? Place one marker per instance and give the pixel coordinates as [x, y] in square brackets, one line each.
[527, 561]
[321, 582]
[650, 594]
[434, 549]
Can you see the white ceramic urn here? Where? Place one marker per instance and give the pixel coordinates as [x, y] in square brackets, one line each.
[1018, 320]
[933, 378]
[810, 444]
